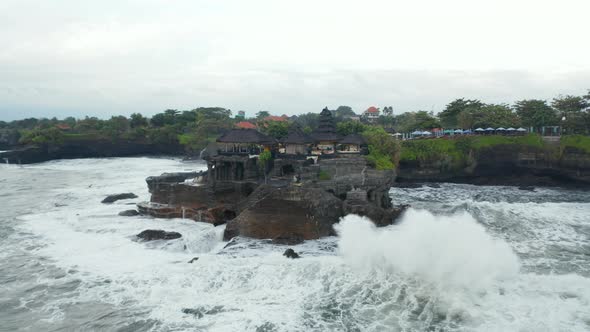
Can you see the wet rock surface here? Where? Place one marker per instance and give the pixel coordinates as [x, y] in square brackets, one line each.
[158, 234]
[290, 253]
[117, 197]
[129, 213]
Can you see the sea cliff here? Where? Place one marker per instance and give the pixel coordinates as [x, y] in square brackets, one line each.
[521, 161]
[86, 148]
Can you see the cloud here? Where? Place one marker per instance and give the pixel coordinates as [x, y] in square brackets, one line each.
[102, 58]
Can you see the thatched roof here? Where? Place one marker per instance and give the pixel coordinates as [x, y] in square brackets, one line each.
[355, 139]
[326, 130]
[325, 137]
[245, 136]
[297, 136]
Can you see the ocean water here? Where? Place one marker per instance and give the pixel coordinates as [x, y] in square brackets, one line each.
[463, 258]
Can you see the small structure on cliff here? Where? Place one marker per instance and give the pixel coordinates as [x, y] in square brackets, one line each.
[297, 142]
[325, 136]
[353, 143]
[244, 141]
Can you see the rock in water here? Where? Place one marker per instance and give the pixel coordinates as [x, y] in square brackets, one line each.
[158, 234]
[116, 197]
[193, 260]
[290, 253]
[129, 213]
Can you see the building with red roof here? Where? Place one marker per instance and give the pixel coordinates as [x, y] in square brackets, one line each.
[245, 125]
[283, 118]
[371, 114]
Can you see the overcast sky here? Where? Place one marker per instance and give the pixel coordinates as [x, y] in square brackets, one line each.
[106, 57]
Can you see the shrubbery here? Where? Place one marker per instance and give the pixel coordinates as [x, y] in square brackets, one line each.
[576, 141]
[383, 149]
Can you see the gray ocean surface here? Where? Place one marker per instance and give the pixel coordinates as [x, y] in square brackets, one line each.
[464, 258]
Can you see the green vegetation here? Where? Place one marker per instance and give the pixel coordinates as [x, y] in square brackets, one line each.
[276, 129]
[431, 149]
[576, 141]
[192, 129]
[263, 161]
[479, 142]
[350, 127]
[383, 149]
[196, 128]
[458, 149]
[324, 176]
[42, 136]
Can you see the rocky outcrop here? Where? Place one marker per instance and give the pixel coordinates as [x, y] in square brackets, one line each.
[188, 195]
[158, 234]
[129, 213]
[283, 210]
[290, 253]
[116, 197]
[288, 213]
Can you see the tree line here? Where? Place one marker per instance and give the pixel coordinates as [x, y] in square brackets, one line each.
[570, 112]
[194, 129]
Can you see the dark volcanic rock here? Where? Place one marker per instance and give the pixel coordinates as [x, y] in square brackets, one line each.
[88, 148]
[289, 213]
[193, 260]
[290, 253]
[158, 234]
[116, 197]
[129, 213]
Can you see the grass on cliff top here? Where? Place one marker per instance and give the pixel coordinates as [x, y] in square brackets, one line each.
[478, 142]
[424, 149]
[458, 148]
[577, 141]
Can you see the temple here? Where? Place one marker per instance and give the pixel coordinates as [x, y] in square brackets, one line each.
[297, 191]
[325, 136]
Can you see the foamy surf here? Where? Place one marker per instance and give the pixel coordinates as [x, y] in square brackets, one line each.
[496, 263]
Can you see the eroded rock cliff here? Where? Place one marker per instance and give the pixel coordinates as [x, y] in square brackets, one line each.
[283, 209]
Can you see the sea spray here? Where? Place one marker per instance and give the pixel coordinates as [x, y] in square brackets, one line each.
[447, 251]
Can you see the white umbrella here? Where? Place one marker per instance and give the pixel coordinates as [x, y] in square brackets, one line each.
[417, 132]
[426, 133]
[501, 129]
[458, 131]
[489, 129]
[397, 134]
[511, 129]
[521, 129]
[479, 129]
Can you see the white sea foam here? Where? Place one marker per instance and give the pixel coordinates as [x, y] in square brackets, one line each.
[452, 272]
[449, 251]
